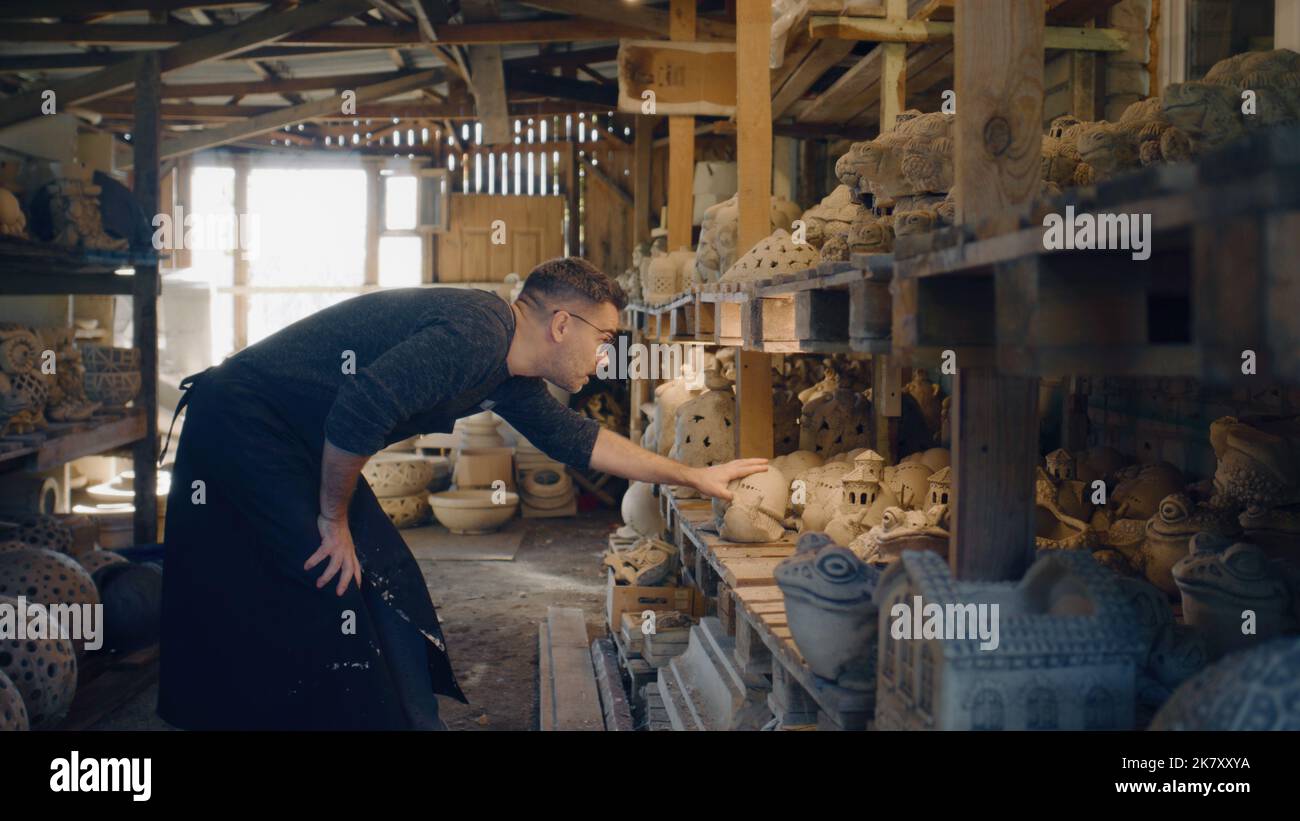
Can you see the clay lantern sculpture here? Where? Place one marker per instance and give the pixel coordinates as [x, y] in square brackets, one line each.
[777, 254]
[829, 608]
[669, 397]
[1220, 581]
[13, 713]
[705, 433]
[835, 422]
[1170, 531]
[757, 510]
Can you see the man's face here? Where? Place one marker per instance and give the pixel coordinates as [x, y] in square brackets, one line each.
[581, 334]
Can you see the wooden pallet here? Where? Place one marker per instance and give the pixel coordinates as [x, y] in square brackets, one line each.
[761, 625]
[106, 682]
[1226, 234]
[568, 696]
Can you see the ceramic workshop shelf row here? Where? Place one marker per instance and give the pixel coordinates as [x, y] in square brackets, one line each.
[1005, 300]
[837, 307]
[37, 268]
[764, 644]
[62, 443]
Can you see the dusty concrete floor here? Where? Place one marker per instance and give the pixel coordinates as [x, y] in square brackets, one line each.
[490, 612]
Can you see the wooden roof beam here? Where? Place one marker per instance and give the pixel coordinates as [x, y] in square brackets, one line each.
[209, 46]
[652, 20]
[929, 31]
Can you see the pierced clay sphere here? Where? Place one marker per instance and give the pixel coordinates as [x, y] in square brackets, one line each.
[98, 559]
[398, 474]
[46, 577]
[44, 671]
[406, 511]
[44, 531]
[13, 713]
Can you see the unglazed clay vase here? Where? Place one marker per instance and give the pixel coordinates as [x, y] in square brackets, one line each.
[901, 530]
[705, 425]
[1256, 689]
[1170, 531]
[473, 511]
[1140, 489]
[757, 508]
[13, 713]
[1222, 579]
[828, 604]
[669, 397]
[398, 474]
[45, 673]
[1258, 464]
[641, 510]
[835, 422]
[406, 511]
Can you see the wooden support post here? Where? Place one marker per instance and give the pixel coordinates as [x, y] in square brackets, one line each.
[886, 404]
[1074, 414]
[146, 136]
[374, 218]
[1286, 24]
[999, 78]
[240, 162]
[642, 152]
[571, 181]
[754, 156]
[893, 71]
[681, 144]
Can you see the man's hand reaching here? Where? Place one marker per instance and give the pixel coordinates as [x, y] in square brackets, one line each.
[336, 545]
[713, 481]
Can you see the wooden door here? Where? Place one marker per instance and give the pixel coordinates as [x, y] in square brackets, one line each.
[532, 231]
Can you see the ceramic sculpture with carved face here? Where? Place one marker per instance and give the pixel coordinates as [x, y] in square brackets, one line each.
[831, 217]
[901, 530]
[1220, 580]
[829, 608]
[1258, 464]
[757, 510]
[1169, 534]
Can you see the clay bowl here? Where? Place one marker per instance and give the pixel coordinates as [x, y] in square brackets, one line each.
[112, 388]
[472, 511]
[406, 511]
[107, 359]
[398, 474]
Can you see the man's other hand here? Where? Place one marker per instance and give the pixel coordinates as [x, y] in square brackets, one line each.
[336, 545]
[713, 481]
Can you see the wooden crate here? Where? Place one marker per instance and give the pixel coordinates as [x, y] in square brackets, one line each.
[621, 598]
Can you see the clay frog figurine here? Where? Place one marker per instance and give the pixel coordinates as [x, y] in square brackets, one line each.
[1169, 532]
[828, 604]
[1223, 579]
[902, 530]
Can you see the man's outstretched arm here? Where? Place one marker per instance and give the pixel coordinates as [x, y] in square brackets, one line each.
[617, 455]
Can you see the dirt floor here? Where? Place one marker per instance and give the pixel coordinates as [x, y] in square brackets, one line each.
[490, 612]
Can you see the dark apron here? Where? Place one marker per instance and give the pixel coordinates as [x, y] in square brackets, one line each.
[248, 641]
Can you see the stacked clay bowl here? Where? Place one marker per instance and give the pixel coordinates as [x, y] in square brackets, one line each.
[400, 481]
[546, 488]
[473, 511]
[112, 374]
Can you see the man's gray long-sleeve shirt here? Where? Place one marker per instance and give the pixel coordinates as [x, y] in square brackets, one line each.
[387, 365]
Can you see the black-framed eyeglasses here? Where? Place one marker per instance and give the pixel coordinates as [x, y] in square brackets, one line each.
[606, 337]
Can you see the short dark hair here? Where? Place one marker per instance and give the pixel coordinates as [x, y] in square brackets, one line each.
[566, 278]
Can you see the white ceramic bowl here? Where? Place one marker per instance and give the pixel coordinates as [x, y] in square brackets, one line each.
[472, 511]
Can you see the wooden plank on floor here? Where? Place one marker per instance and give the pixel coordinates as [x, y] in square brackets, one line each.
[613, 701]
[569, 698]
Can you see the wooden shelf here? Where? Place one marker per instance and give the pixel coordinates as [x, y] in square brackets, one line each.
[65, 442]
[43, 259]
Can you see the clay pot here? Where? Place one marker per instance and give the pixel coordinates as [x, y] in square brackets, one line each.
[472, 511]
[831, 615]
[107, 359]
[641, 510]
[398, 474]
[13, 713]
[112, 388]
[45, 673]
[406, 511]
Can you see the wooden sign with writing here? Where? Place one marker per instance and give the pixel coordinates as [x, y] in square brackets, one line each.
[681, 78]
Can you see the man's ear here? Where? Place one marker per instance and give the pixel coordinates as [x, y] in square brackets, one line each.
[559, 325]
